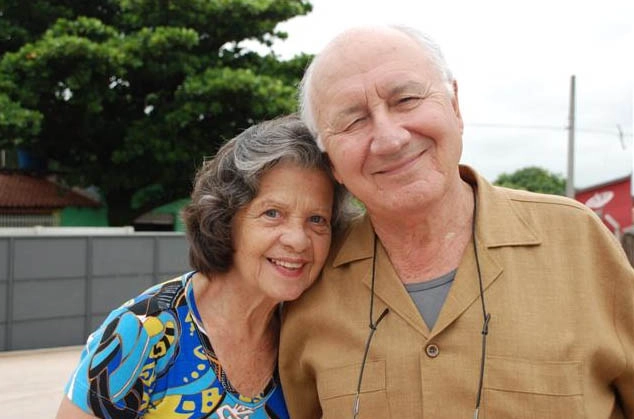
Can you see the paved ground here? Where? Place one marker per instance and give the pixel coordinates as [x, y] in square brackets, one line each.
[32, 382]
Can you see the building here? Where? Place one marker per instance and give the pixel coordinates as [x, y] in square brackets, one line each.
[164, 218]
[28, 200]
[612, 201]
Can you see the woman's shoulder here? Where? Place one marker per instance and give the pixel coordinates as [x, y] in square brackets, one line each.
[136, 343]
[156, 299]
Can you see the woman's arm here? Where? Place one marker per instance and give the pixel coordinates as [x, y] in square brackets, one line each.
[69, 410]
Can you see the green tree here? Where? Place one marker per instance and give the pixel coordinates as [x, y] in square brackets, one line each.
[25, 21]
[131, 95]
[534, 179]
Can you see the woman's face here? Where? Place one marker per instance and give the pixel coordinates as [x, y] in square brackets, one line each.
[282, 237]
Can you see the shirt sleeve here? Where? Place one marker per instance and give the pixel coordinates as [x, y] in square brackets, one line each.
[117, 366]
[624, 324]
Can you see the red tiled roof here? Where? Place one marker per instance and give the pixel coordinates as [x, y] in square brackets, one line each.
[18, 190]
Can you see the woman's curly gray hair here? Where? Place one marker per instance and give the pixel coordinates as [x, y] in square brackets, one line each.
[230, 181]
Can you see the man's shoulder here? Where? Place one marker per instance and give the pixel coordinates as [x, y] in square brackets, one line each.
[550, 217]
[544, 204]
[498, 200]
[522, 196]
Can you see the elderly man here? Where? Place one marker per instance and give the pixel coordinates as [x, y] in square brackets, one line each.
[452, 298]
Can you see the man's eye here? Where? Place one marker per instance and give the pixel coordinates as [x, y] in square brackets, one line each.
[355, 123]
[408, 99]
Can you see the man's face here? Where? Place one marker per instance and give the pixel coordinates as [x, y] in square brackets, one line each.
[387, 120]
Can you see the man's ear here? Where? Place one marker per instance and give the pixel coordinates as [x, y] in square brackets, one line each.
[456, 105]
[335, 174]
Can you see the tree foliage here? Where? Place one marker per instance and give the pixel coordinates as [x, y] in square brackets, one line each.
[534, 179]
[131, 95]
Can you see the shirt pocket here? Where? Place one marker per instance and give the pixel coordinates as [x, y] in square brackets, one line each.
[337, 389]
[519, 389]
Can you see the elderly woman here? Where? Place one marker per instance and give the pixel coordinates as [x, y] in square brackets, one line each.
[205, 345]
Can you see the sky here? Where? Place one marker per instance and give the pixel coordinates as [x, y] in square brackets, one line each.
[513, 62]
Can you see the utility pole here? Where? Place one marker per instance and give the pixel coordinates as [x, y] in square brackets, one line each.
[570, 182]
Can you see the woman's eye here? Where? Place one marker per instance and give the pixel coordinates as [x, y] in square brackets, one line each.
[318, 219]
[271, 213]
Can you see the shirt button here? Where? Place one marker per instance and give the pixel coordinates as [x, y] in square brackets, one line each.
[432, 350]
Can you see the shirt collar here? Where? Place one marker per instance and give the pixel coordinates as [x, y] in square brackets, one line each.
[498, 224]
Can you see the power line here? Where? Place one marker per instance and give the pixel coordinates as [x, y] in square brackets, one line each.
[490, 125]
[616, 132]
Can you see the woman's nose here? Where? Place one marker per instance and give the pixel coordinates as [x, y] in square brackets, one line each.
[295, 237]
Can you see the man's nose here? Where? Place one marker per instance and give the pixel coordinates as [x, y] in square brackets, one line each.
[388, 135]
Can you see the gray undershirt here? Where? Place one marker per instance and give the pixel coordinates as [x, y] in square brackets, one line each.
[429, 296]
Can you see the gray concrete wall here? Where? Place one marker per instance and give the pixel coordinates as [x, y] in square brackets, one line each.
[55, 290]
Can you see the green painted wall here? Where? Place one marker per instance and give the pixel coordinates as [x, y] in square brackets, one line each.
[83, 217]
[98, 217]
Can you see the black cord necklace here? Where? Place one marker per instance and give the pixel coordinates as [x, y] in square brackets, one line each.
[485, 315]
[373, 325]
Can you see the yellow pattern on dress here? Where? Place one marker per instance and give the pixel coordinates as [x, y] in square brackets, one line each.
[171, 405]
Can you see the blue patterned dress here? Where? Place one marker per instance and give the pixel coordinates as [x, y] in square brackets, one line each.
[151, 359]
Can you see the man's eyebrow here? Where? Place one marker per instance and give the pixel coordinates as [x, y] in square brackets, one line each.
[344, 113]
[409, 86]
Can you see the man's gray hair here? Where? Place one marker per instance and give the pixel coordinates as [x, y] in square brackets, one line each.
[435, 55]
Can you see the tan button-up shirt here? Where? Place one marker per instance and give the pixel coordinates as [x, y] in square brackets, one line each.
[561, 337]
